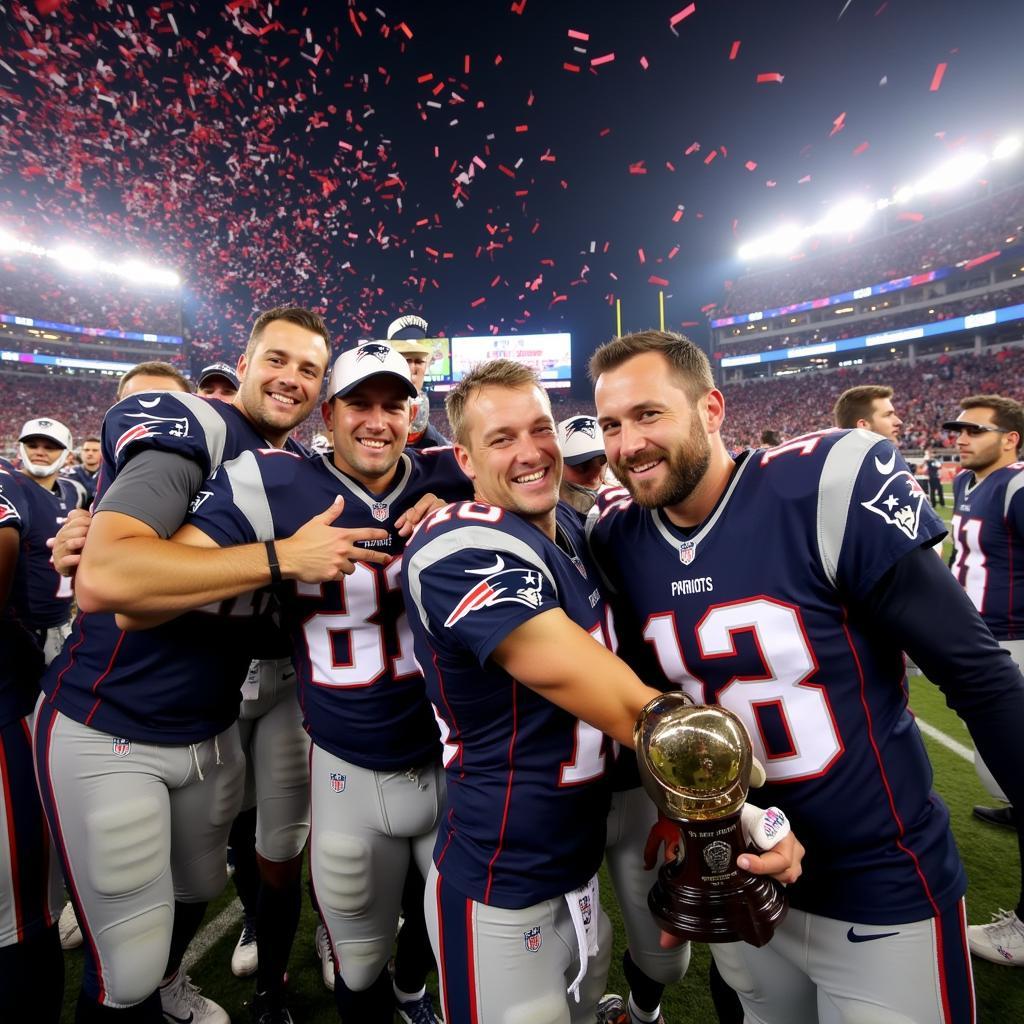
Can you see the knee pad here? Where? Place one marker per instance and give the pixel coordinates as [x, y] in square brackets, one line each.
[133, 954]
[665, 966]
[342, 869]
[289, 766]
[128, 846]
[360, 962]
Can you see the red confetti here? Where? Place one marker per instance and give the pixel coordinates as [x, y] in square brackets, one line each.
[769, 76]
[571, 67]
[465, 64]
[606, 59]
[681, 15]
[642, 257]
[478, 302]
[909, 215]
[644, 63]
[520, 128]
[402, 27]
[518, 8]
[861, 148]
[711, 156]
[425, 78]
[677, 216]
[735, 51]
[750, 165]
[693, 147]
[940, 70]
[659, 281]
[672, 252]
[838, 124]
[638, 168]
[583, 37]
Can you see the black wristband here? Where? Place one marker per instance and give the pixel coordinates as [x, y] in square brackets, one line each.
[275, 566]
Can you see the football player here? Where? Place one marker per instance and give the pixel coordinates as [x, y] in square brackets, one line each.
[803, 639]
[988, 562]
[868, 406]
[377, 782]
[30, 883]
[406, 335]
[44, 445]
[90, 456]
[512, 632]
[218, 380]
[583, 461]
[153, 713]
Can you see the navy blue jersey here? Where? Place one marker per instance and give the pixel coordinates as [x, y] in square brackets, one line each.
[757, 609]
[179, 682]
[43, 594]
[988, 546]
[22, 657]
[527, 788]
[88, 481]
[360, 688]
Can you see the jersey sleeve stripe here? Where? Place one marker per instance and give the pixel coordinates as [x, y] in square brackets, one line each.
[249, 494]
[1011, 492]
[835, 489]
[479, 537]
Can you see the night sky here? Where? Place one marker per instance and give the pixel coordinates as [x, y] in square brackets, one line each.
[238, 141]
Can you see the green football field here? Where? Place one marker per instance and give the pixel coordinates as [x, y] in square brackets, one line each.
[990, 855]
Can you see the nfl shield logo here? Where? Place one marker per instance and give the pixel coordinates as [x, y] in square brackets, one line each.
[532, 939]
[121, 746]
[338, 782]
[381, 510]
[687, 551]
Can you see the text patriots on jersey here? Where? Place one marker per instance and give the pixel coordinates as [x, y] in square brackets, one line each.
[898, 502]
[501, 586]
[698, 585]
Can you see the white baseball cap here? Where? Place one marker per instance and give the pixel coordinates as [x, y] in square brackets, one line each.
[358, 364]
[52, 429]
[580, 439]
[406, 335]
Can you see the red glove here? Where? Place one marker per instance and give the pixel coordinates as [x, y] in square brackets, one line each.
[663, 831]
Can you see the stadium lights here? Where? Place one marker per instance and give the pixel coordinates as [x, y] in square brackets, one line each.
[1006, 148]
[852, 214]
[79, 260]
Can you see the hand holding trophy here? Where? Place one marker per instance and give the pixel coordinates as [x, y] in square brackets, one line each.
[695, 763]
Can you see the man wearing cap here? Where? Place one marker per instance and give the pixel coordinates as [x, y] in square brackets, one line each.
[218, 380]
[376, 779]
[406, 335]
[44, 445]
[988, 562]
[583, 461]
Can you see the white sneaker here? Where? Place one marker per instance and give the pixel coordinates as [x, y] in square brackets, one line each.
[68, 927]
[1001, 941]
[182, 1004]
[245, 959]
[325, 955]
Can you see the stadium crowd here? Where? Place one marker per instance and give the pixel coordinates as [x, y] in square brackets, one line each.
[975, 229]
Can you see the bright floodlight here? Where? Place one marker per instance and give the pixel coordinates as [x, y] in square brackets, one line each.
[1006, 148]
[75, 259]
[786, 239]
[142, 273]
[904, 194]
[847, 216]
[954, 172]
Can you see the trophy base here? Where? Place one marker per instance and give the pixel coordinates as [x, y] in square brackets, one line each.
[748, 910]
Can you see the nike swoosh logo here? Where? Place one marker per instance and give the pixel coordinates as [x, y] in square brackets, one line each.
[497, 567]
[854, 937]
[885, 468]
[149, 405]
[180, 1020]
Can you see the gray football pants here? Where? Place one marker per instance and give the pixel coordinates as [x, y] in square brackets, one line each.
[137, 826]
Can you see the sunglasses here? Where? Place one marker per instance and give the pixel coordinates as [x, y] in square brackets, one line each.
[974, 429]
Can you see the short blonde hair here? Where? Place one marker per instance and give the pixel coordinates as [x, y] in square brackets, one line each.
[499, 373]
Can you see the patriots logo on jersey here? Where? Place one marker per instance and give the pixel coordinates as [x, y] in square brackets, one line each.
[7, 510]
[898, 502]
[581, 425]
[533, 940]
[375, 350]
[173, 426]
[501, 586]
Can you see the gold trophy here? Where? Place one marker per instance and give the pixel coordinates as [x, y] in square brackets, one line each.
[695, 764]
